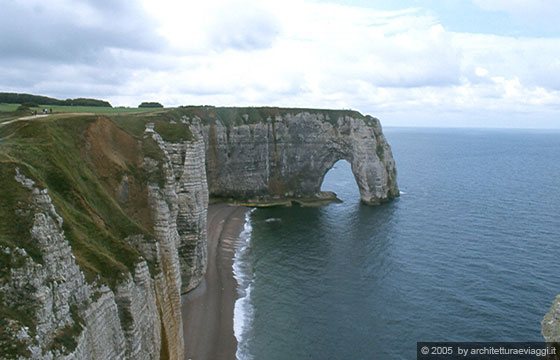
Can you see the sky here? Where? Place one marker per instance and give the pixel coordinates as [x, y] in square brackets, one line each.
[445, 63]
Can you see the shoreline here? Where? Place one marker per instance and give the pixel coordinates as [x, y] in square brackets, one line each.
[207, 310]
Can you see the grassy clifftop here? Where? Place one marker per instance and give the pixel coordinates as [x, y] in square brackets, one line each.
[207, 113]
[252, 115]
[80, 163]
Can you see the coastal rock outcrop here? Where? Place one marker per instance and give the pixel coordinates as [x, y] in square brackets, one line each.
[551, 322]
[285, 157]
[189, 192]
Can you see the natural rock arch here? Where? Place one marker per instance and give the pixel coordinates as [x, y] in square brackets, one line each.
[286, 157]
[330, 184]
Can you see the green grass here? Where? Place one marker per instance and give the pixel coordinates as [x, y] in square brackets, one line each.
[10, 112]
[79, 109]
[152, 150]
[8, 107]
[135, 124]
[228, 115]
[15, 216]
[51, 153]
[234, 115]
[16, 219]
[91, 109]
[162, 116]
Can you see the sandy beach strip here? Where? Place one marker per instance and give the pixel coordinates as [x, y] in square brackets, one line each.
[208, 310]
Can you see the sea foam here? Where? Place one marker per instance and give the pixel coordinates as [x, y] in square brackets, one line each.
[243, 273]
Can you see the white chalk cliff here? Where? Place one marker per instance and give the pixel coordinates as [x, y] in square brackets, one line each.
[52, 311]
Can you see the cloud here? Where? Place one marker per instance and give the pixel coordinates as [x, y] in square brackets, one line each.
[402, 64]
[66, 31]
[536, 13]
[535, 61]
[214, 25]
[242, 26]
[418, 57]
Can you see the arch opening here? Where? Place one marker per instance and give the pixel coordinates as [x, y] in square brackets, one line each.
[340, 179]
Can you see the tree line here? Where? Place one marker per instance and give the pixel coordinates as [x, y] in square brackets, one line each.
[14, 98]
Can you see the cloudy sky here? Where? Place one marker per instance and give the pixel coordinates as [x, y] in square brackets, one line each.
[482, 63]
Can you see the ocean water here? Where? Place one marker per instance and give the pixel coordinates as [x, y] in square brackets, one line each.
[469, 252]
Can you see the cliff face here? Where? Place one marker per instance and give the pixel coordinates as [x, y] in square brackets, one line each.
[103, 221]
[56, 305]
[286, 156]
[71, 318]
[189, 190]
[551, 322]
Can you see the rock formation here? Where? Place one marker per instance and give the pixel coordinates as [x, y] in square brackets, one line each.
[74, 319]
[103, 221]
[286, 156]
[551, 322]
[64, 316]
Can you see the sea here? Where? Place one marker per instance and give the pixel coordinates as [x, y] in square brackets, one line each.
[469, 252]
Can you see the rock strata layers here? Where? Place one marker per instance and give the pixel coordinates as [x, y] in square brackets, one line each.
[160, 185]
[285, 157]
[140, 316]
[75, 319]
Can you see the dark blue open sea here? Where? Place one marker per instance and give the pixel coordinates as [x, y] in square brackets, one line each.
[469, 252]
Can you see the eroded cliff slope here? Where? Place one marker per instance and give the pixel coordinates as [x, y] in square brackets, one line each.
[103, 219]
[101, 231]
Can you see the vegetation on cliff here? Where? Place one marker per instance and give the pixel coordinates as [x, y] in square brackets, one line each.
[93, 169]
[254, 115]
[93, 166]
[81, 160]
[54, 153]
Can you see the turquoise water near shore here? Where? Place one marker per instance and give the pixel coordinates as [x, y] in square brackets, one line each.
[469, 252]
